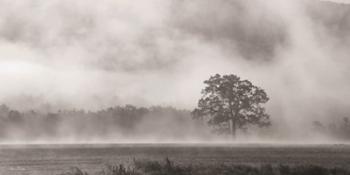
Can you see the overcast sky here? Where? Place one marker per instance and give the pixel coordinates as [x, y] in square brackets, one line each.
[93, 54]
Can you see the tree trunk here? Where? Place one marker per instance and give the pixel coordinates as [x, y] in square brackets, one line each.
[233, 128]
[234, 112]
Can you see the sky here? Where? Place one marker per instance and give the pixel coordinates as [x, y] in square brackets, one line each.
[339, 1]
[95, 54]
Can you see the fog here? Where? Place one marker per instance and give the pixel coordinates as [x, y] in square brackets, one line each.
[91, 55]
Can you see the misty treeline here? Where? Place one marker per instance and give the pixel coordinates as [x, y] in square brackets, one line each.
[338, 128]
[119, 122]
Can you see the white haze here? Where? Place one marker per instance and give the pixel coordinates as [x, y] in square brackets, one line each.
[94, 54]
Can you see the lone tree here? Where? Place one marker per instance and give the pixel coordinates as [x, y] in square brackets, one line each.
[230, 103]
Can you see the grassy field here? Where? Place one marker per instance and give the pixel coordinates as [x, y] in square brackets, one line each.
[146, 167]
[56, 159]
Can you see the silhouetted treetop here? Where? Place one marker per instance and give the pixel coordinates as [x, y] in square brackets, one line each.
[230, 102]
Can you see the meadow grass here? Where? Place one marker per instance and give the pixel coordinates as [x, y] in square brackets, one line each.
[167, 167]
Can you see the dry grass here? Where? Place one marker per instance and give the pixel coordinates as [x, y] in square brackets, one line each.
[145, 167]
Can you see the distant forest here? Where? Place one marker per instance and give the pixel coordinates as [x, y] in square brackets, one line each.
[119, 122]
[127, 123]
[338, 129]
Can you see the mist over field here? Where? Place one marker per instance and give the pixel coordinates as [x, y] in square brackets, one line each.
[92, 55]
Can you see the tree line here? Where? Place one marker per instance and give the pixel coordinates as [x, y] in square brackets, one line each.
[338, 129]
[228, 104]
[111, 123]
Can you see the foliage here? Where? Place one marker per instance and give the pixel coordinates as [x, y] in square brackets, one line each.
[124, 121]
[338, 129]
[230, 102]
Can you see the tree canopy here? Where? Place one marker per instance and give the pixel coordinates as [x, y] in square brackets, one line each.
[230, 103]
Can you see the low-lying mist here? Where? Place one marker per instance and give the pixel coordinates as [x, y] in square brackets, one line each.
[61, 55]
[131, 124]
[119, 124]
